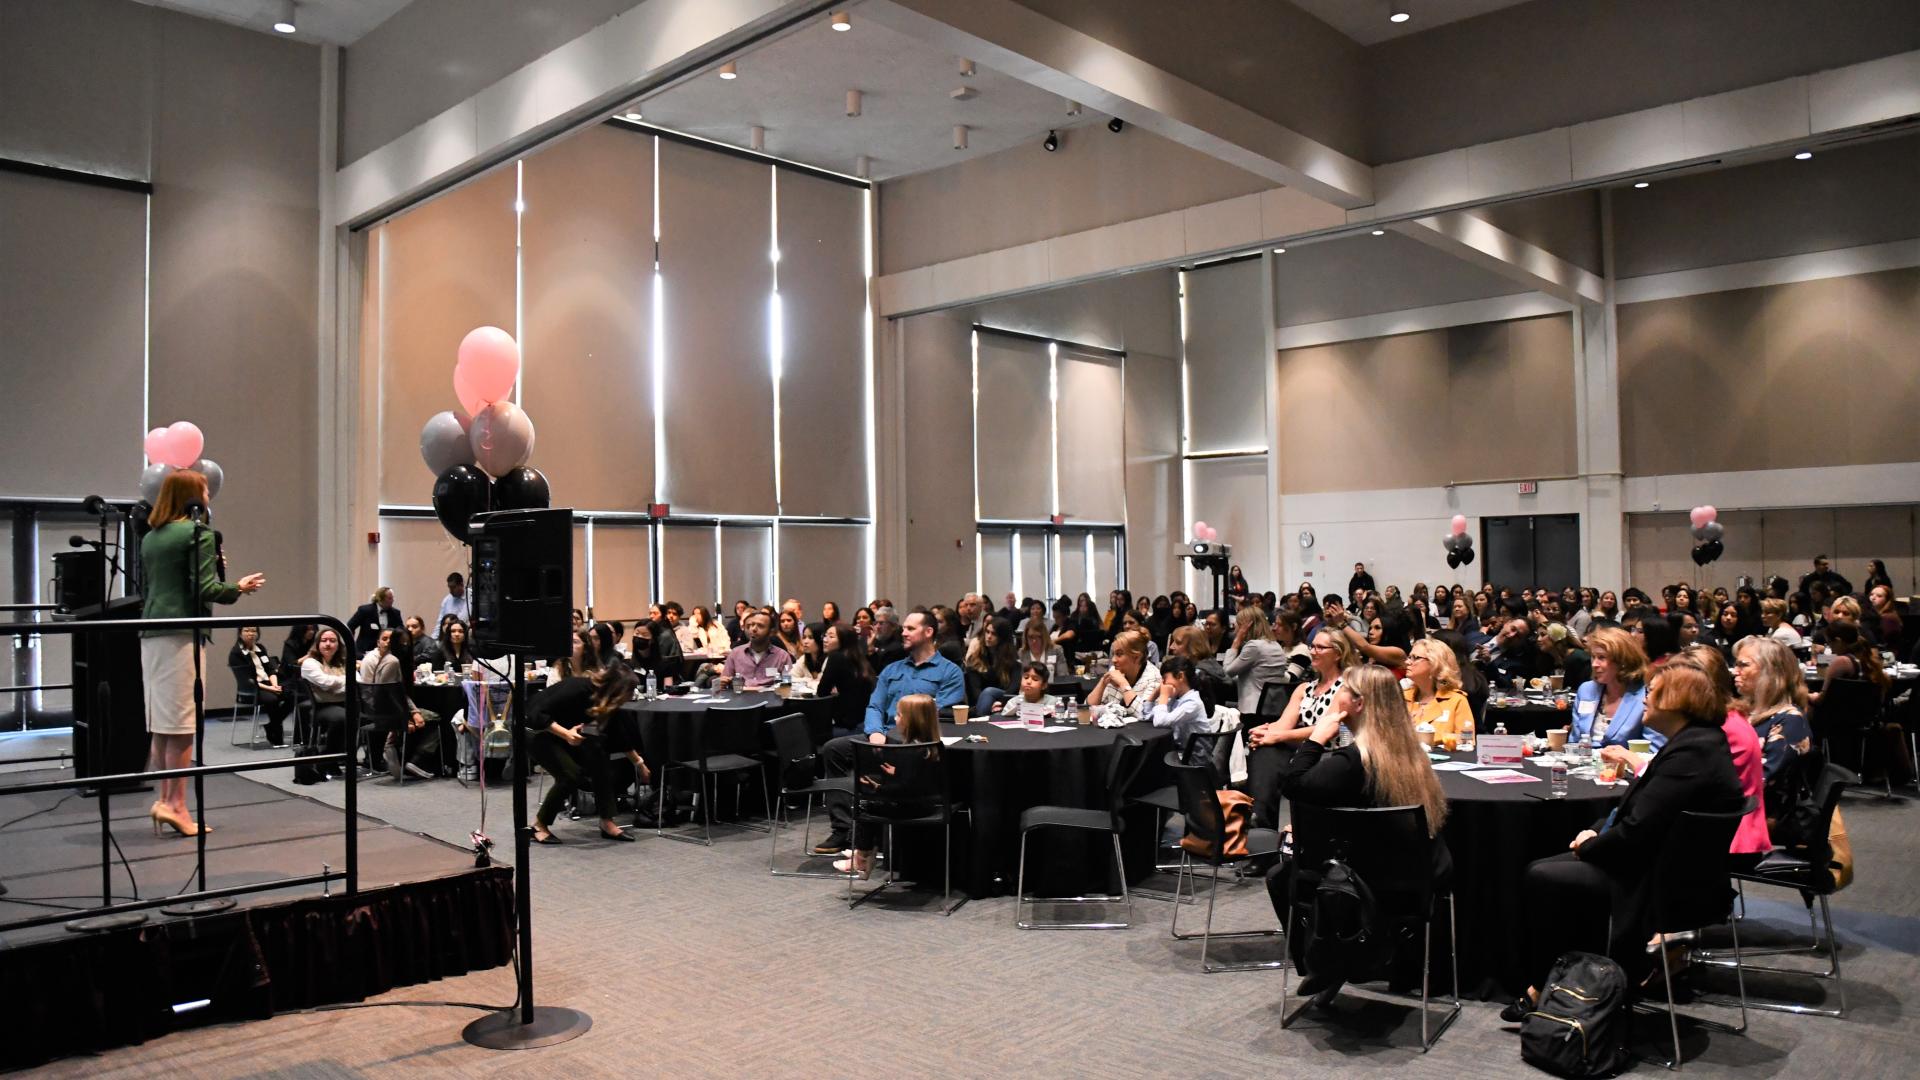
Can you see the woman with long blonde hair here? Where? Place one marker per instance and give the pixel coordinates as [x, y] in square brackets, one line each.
[1435, 697]
[1773, 695]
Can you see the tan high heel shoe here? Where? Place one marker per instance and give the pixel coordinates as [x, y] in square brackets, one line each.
[160, 814]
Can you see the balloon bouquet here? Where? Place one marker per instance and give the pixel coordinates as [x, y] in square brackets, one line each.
[493, 438]
[1458, 543]
[1707, 532]
[172, 448]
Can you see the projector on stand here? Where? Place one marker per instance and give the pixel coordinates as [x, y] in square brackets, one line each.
[1213, 556]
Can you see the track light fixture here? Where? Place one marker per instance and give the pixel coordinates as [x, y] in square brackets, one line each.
[757, 138]
[841, 21]
[1804, 155]
[1114, 125]
[729, 70]
[285, 17]
[1641, 184]
[1398, 15]
[959, 136]
[1052, 142]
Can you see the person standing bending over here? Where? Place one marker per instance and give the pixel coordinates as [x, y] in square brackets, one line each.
[923, 671]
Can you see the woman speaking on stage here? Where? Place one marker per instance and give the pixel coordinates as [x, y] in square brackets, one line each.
[180, 584]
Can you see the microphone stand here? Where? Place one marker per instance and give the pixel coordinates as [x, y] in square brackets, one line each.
[198, 515]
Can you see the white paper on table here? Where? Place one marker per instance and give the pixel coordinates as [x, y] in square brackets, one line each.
[1008, 723]
[1053, 728]
[1503, 776]
[1453, 766]
[1035, 712]
[951, 739]
[1501, 749]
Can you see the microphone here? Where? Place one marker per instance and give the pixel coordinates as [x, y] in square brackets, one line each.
[98, 506]
[81, 541]
[197, 511]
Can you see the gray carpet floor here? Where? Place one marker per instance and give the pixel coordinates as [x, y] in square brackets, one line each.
[694, 962]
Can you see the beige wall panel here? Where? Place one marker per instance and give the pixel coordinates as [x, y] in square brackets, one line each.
[1883, 374]
[448, 268]
[939, 463]
[1398, 442]
[416, 555]
[1014, 429]
[1230, 494]
[1658, 545]
[1793, 537]
[1876, 532]
[1540, 355]
[1093, 450]
[1154, 528]
[77, 77]
[1316, 402]
[1482, 386]
[1659, 369]
[1805, 330]
[1745, 544]
[587, 268]
[1227, 357]
[716, 234]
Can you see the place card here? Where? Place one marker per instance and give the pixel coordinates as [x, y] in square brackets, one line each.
[1503, 776]
[1501, 749]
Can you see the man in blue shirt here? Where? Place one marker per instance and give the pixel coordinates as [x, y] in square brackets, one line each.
[923, 671]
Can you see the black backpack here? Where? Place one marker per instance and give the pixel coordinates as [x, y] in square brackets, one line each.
[1343, 932]
[1579, 1028]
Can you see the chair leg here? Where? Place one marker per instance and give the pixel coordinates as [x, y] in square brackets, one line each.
[774, 821]
[1020, 884]
[1120, 868]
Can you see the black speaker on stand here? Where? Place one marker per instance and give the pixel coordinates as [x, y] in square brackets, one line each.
[520, 595]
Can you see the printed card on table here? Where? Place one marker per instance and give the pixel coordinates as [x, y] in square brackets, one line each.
[1501, 750]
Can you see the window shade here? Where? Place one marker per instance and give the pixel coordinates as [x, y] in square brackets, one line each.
[587, 294]
[1230, 494]
[1226, 358]
[1033, 569]
[716, 232]
[687, 568]
[416, 555]
[444, 267]
[1014, 429]
[823, 312]
[824, 562]
[1092, 438]
[622, 570]
[996, 565]
[72, 320]
[746, 553]
[1071, 578]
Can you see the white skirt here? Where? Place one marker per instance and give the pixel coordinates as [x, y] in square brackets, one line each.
[166, 666]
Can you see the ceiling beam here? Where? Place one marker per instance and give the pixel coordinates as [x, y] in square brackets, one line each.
[1472, 238]
[1021, 42]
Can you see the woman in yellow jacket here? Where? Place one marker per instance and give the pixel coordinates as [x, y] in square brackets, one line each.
[1433, 696]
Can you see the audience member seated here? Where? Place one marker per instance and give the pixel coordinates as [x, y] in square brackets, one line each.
[1037, 647]
[759, 662]
[456, 655]
[1382, 765]
[324, 670]
[1271, 745]
[382, 668]
[1855, 658]
[645, 654]
[1177, 704]
[916, 720]
[1773, 621]
[923, 671]
[1127, 688]
[1033, 693]
[1434, 698]
[992, 666]
[564, 725]
[1611, 706]
[1513, 657]
[1256, 661]
[888, 644]
[251, 666]
[1601, 880]
[1209, 675]
[846, 676]
[812, 656]
[1774, 697]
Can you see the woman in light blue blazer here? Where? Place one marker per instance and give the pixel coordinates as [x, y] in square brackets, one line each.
[1613, 704]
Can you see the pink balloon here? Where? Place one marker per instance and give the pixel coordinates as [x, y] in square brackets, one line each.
[1212, 534]
[1199, 530]
[1712, 514]
[1698, 516]
[1459, 524]
[472, 403]
[155, 440]
[181, 443]
[490, 362]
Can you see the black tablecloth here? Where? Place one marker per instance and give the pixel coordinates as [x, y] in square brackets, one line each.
[665, 729]
[1016, 769]
[1494, 831]
[1531, 718]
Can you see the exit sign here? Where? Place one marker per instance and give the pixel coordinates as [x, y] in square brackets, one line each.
[1529, 487]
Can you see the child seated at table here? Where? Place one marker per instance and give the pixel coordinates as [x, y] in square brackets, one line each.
[1034, 679]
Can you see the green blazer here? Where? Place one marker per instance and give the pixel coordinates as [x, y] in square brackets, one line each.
[165, 554]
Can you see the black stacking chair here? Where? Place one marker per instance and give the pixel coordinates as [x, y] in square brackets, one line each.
[1808, 872]
[1201, 747]
[1389, 849]
[1273, 697]
[903, 784]
[245, 696]
[1197, 787]
[799, 768]
[706, 760]
[1688, 889]
[1849, 711]
[1123, 762]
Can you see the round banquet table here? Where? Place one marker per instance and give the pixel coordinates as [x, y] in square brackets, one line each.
[665, 728]
[1527, 717]
[1015, 769]
[1493, 832]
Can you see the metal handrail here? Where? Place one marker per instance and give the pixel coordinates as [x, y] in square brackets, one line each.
[30, 689]
[104, 785]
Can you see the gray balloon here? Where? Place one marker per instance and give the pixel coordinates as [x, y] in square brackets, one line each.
[443, 443]
[151, 478]
[210, 469]
[502, 438]
[1711, 531]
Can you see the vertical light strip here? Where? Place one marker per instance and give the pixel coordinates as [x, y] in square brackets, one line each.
[519, 278]
[146, 328]
[1053, 420]
[1013, 548]
[773, 556]
[718, 583]
[1186, 463]
[659, 345]
[867, 403]
[1056, 572]
[1087, 548]
[589, 564]
[979, 565]
[973, 410]
[776, 332]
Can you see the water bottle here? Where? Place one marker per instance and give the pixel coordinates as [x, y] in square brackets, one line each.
[1585, 751]
[653, 686]
[1500, 727]
[1557, 779]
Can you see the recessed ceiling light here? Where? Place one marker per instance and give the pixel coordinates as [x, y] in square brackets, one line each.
[729, 71]
[632, 113]
[1379, 232]
[284, 20]
[1641, 184]
[1398, 17]
[1279, 251]
[842, 22]
[1804, 155]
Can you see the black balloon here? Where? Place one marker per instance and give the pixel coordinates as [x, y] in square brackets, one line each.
[1466, 557]
[1699, 554]
[523, 488]
[1453, 560]
[461, 492]
[1714, 549]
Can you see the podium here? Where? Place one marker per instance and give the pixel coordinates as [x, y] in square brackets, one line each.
[109, 727]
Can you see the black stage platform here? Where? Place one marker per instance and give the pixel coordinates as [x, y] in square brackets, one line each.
[423, 912]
